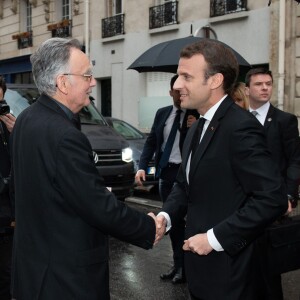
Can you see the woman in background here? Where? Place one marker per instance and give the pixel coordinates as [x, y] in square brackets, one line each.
[239, 96]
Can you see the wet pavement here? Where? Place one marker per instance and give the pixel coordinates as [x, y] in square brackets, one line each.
[134, 272]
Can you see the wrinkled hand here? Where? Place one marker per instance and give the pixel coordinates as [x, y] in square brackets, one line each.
[160, 223]
[139, 177]
[190, 120]
[9, 121]
[198, 244]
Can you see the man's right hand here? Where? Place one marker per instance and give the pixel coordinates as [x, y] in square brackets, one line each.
[9, 121]
[140, 176]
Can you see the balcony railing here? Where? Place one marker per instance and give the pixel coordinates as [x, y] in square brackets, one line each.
[163, 15]
[224, 7]
[113, 26]
[24, 39]
[61, 29]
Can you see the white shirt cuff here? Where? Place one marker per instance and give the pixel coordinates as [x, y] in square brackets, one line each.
[169, 223]
[213, 241]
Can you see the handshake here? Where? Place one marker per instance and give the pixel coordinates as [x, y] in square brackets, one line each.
[197, 244]
[161, 224]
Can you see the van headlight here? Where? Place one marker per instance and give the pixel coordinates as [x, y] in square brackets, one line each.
[127, 155]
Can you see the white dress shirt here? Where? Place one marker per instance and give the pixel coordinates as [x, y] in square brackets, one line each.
[175, 156]
[261, 112]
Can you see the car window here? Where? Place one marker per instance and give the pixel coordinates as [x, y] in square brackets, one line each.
[16, 102]
[127, 131]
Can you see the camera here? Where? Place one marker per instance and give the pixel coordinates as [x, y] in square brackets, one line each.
[4, 108]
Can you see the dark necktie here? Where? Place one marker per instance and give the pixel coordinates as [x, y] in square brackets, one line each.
[254, 113]
[196, 138]
[169, 145]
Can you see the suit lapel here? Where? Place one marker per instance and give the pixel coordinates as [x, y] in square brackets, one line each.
[162, 123]
[269, 117]
[209, 133]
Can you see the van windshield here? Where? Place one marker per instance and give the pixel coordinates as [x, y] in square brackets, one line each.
[19, 97]
[90, 115]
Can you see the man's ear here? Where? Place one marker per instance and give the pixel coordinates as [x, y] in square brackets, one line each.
[217, 80]
[61, 84]
[247, 91]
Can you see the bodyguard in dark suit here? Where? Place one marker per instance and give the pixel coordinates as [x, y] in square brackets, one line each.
[228, 186]
[64, 212]
[167, 164]
[281, 130]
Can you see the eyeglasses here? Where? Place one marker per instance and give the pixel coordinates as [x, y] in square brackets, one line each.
[87, 77]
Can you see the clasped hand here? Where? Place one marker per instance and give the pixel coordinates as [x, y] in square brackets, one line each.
[198, 244]
[160, 223]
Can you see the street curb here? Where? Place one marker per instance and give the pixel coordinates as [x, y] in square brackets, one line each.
[145, 202]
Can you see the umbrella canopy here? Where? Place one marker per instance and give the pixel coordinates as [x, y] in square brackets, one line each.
[164, 57]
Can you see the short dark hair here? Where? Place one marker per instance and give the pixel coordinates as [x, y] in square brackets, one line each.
[3, 84]
[219, 59]
[256, 71]
[173, 79]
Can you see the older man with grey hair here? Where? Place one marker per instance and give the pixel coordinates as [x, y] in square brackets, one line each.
[64, 212]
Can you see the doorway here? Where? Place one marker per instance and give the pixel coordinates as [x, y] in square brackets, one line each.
[106, 97]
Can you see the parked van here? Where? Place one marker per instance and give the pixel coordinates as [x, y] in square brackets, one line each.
[112, 154]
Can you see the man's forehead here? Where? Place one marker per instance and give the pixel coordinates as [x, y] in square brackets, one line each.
[191, 64]
[261, 77]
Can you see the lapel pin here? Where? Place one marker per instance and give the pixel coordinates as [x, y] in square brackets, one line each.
[270, 119]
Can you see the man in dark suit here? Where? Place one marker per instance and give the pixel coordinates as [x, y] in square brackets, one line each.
[64, 212]
[167, 167]
[281, 129]
[228, 185]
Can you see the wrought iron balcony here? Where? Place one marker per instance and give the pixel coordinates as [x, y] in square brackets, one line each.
[224, 7]
[61, 29]
[163, 15]
[24, 39]
[113, 26]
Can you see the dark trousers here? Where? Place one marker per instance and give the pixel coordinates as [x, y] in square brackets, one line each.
[166, 182]
[6, 242]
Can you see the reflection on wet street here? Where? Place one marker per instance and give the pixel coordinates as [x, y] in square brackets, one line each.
[134, 272]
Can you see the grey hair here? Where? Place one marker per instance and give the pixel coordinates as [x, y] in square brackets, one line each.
[50, 60]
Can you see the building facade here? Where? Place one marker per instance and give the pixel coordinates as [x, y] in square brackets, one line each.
[115, 32]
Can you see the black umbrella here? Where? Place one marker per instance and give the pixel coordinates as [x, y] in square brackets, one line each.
[164, 57]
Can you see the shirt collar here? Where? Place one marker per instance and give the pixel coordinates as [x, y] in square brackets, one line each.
[65, 109]
[263, 110]
[210, 113]
[176, 108]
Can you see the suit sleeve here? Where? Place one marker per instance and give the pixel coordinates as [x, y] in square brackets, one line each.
[291, 148]
[82, 189]
[149, 146]
[264, 189]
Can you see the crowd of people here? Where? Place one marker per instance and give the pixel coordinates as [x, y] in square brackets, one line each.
[227, 161]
